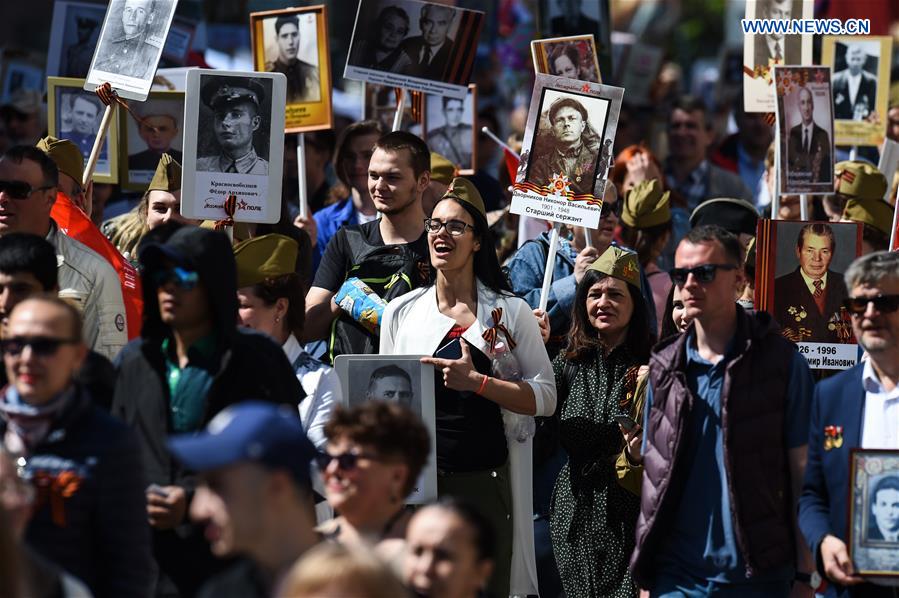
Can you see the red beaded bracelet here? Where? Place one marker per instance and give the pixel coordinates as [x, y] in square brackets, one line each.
[483, 385]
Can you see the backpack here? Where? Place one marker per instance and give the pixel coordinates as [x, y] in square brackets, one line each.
[390, 271]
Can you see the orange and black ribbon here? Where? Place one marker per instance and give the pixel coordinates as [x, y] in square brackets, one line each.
[230, 206]
[54, 490]
[108, 96]
[415, 102]
[491, 335]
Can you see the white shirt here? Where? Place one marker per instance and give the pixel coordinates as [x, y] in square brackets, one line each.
[854, 82]
[880, 427]
[810, 282]
[322, 388]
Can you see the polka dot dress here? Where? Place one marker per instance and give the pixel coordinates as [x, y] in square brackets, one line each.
[593, 518]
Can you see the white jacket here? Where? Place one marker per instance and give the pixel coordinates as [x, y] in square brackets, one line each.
[412, 325]
[91, 283]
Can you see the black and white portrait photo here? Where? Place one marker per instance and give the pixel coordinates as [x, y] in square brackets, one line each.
[883, 503]
[418, 41]
[75, 30]
[451, 128]
[20, 75]
[151, 129]
[379, 103]
[131, 42]
[572, 57]
[233, 144]
[400, 378]
[565, 18]
[777, 47]
[874, 512]
[806, 129]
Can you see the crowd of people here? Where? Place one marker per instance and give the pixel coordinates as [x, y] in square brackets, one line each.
[171, 422]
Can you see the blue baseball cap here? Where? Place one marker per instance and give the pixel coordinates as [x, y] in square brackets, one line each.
[253, 431]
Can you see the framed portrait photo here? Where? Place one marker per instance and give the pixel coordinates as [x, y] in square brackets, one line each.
[573, 57]
[565, 18]
[452, 128]
[233, 144]
[799, 281]
[18, 75]
[421, 46]
[805, 129]
[130, 44]
[400, 378]
[379, 103]
[566, 151]
[150, 129]
[294, 42]
[762, 52]
[178, 42]
[861, 80]
[74, 31]
[75, 114]
[874, 512]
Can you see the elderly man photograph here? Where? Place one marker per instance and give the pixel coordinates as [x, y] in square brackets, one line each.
[302, 77]
[783, 49]
[570, 146]
[453, 139]
[131, 54]
[857, 408]
[808, 148]
[428, 55]
[808, 300]
[235, 103]
[854, 89]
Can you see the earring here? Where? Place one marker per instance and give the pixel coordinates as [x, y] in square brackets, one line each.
[277, 319]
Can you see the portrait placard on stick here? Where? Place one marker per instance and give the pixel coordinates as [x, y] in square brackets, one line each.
[74, 32]
[233, 145]
[873, 501]
[379, 103]
[130, 45]
[799, 280]
[805, 129]
[573, 57]
[295, 42]
[403, 379]
[451, 130]
[580, 17]
[150, 129]
[861, 75]
[567, 150]
[422, 46]
[762, 52]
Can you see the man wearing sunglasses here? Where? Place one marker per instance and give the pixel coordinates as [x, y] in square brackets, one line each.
[857, 408]
[29, 180]
[190, 362]
[726, 428]
[85, 466]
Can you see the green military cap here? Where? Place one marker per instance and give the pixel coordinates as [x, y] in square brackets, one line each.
[875, 212]
[464, 190]
[619, 263]
[66, 154]
[233, 89]
[646, 205]
[264, 257]
[859, 180]
[732, 214]
[442, 170]
[167, 176]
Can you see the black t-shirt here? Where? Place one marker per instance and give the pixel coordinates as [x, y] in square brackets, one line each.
[338, 257]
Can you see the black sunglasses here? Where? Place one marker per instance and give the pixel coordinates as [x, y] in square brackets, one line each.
[20, 189]
[885, 304]
[345, 461]
[704, 273]
[607, 209]
[42, 346]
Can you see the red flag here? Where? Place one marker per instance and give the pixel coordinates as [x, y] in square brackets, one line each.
[75, 223]
[511, 164]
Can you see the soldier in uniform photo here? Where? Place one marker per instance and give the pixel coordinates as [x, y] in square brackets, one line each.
[131, 55]
[808, 301]
[883, 523]
[79, 54]
[235, 103]
[854, 89]
[453, 139]
[809, 144]
[569, 147]
[158, 127]
[302, 77]
[83, 115]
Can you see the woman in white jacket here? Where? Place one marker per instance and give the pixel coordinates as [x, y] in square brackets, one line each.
[458, 323]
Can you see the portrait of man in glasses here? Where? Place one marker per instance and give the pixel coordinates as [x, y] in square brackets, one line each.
[808, 302]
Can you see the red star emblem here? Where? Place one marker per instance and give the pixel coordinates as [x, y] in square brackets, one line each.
[585, 88]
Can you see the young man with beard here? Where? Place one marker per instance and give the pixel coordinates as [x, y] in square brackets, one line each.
[390, 254]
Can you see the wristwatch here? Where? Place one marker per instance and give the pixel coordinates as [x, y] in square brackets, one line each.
[812, 579]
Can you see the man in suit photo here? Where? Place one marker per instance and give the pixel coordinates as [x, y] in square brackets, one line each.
[428, 55]
[809, 145]
[807, 301]
[854, 89]
[854, 409]
[883, 524]
[783, 49]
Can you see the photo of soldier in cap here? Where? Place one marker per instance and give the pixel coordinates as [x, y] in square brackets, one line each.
[236, 112]
[291, 48]
[78, 55]
[74, 32]
[568, 140]
[133, 35]
[153, 128]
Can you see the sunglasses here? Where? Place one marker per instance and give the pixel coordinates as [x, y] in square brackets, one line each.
[607, 209]
[183, 279]
[345, 461]
[454, 227]
[703, 274]
[20, 189]
[42, 346]
[885, 304]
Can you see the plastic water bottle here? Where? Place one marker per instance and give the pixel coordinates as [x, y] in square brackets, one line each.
[506, 367]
